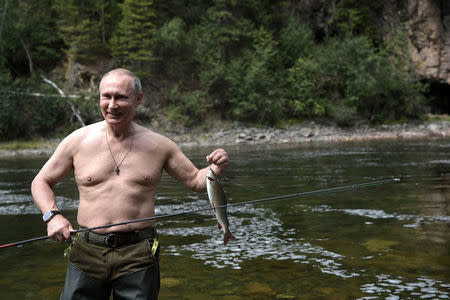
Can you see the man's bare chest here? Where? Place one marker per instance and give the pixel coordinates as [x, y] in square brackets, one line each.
[130, 168]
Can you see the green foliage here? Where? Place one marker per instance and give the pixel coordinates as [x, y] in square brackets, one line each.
[83, 26]
[131, 42]
[303, 95]
[356, 17]
[219, 38]
[248, 60]
[173, 50]
[237, 64]
[347, 78]
[88, 105]
[23, 114]
[187, 108]
[11, 123]
[296, 40]
[28, 40]
[29, 107]
[252, 86]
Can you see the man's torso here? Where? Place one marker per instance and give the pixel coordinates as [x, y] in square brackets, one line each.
[107, 197]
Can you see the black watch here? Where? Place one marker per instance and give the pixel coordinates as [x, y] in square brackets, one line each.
[50, 214]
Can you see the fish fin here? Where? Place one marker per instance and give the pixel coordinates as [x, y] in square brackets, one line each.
[227, 236]
[219, 226]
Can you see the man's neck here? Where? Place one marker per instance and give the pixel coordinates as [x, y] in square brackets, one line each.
[120, 132]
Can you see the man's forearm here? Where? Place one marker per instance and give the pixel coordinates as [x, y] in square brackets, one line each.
[43, 195]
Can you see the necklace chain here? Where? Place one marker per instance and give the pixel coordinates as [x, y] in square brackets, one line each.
[117, 170]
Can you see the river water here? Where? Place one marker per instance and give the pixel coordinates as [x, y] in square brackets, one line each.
[389, 241]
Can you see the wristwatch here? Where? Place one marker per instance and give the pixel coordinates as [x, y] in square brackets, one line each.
[50, 214]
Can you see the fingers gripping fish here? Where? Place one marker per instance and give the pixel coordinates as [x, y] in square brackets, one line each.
[217, 197]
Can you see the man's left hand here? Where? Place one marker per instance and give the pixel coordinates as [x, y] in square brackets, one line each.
[219, 158]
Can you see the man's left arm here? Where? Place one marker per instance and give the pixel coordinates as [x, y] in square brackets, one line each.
[182, 169]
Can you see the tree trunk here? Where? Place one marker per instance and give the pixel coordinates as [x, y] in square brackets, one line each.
[72, 106]
[102, 17]
[30, 62]
[5, 6]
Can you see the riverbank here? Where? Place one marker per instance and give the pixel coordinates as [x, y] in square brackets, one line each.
[307, 132]
[231, 134]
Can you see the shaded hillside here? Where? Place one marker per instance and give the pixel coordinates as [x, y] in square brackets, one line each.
[262, 62]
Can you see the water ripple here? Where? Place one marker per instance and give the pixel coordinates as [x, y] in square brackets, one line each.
[260, 235]
[394, 288]
[380, 214]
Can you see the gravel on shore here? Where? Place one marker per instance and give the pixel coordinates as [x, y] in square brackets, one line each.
[307, 132]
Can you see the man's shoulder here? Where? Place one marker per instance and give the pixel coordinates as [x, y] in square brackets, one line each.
[147, 133]
[82, 134]
[150, 137]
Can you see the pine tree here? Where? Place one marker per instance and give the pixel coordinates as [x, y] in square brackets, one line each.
[86, 26]
[131, 43]
[28, 39]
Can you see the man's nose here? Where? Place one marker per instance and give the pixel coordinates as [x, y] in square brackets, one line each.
[113, 104]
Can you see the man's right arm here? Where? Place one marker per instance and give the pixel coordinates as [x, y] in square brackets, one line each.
[55, 169]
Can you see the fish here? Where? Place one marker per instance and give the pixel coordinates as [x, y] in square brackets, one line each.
[217, 198]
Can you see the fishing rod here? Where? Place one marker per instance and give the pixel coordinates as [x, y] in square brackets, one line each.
[301, 194]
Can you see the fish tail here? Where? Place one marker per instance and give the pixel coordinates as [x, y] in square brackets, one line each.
[227, 236]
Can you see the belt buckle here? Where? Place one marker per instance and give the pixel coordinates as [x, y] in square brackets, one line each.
[111, 240]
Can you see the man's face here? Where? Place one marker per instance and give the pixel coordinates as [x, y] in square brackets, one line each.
[118, 100]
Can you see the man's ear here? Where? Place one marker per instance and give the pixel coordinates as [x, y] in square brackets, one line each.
[139, 98]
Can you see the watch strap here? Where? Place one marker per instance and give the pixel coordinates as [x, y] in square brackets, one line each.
[50, 214]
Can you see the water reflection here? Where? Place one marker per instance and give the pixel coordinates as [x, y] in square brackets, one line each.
[387, 242]
[413, 221]
[395, 288]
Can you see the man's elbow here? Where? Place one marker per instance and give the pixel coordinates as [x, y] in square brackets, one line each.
[39, 182]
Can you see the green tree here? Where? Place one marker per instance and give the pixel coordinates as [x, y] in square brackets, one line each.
[173, 51]
[23, 114]
[86, 27]
[348, 79]
[357, 17]
[131, 43]
[28, 41]
[295, 40]
[218, 39]
[253, 86]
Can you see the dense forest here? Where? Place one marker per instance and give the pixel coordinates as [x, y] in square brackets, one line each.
[255, 61]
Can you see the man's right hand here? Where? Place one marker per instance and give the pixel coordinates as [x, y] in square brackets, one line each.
[59, 228]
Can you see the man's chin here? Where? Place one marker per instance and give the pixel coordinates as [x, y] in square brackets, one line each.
[113, 119]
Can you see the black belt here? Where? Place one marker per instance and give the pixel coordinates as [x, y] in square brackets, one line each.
[117, 239]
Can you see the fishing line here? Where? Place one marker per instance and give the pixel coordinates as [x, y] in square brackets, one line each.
[245, 188]
[301, 194]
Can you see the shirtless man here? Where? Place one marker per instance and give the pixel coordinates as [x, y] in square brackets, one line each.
[117, 166]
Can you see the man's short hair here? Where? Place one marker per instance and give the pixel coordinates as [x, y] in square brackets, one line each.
[136, 84]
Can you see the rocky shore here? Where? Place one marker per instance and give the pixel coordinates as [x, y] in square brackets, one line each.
[223, 135]
[308, 132]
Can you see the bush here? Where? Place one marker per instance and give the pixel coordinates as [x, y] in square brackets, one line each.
[296, 40]
[253, 87]
[23, 114]
[303, 96]
[31, 107]
[188, 108]
[171, 47]
[348, 79]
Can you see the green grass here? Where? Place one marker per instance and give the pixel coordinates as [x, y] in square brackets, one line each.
[433, 118]
[24, 145]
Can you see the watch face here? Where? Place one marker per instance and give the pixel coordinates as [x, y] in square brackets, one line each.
[47, 215]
